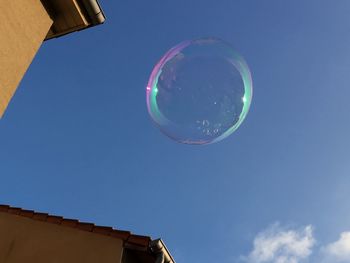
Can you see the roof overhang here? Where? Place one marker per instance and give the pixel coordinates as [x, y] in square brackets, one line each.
[72, 15]
[137, 248]
[158, 247]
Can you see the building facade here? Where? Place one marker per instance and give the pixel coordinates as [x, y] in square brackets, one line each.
[27, 236]
[25, 24]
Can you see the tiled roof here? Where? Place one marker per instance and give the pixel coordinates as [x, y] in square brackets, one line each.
[130, 240]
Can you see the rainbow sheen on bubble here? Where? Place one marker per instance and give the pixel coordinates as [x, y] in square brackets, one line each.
[200, 91]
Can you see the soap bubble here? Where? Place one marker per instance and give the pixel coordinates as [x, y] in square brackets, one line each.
[200, 91]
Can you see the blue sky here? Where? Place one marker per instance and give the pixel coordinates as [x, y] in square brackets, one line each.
[77, 140]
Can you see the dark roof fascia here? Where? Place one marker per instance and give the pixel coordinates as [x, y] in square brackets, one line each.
[92, 10]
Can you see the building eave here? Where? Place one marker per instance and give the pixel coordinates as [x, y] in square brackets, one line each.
[157, 246]
[72, 15]
[130, 241]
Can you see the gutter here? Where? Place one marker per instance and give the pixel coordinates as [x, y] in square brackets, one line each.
[162, 254]
[89, 11]
[94, 12]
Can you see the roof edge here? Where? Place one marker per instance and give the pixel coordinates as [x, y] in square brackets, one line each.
[130, 241]
[88, 12]
[138, 241]
[157, 247]
[94, 11]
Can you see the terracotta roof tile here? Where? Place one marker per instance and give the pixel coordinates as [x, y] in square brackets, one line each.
[54, 219]
[4, 208]
[120, 234]
[27, 213]
[69, 222]
[14, 210]
[104, 230]
[85, 226]
[142, 241]
[40, 216]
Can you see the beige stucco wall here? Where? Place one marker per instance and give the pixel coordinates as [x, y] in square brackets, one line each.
[23, 26]
[31, 241]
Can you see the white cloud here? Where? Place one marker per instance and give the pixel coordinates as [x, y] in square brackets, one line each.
[338, 251]
[278, 245]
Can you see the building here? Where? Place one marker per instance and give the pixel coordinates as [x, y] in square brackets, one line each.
[25, 24]
[27, 236]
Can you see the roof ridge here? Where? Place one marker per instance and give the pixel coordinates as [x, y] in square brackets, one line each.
[138, 242]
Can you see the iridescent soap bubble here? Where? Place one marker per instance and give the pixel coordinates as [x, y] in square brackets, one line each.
[200, 91]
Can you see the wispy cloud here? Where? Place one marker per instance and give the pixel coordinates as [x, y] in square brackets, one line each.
[337, 252]
[280, 245]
